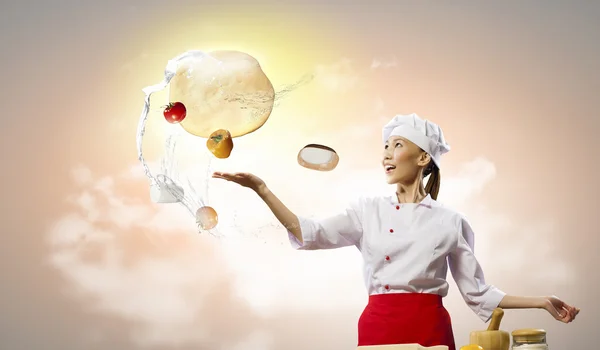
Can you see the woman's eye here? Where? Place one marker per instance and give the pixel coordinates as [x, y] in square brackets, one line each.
[398, 144]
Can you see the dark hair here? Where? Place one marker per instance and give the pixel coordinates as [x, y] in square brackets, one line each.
[433, 184]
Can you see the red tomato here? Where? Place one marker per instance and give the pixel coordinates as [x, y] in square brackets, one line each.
[174, 112]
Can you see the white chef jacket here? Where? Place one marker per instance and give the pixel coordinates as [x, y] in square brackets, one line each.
[406, 248]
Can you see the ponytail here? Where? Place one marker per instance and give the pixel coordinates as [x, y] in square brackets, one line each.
[433, 184]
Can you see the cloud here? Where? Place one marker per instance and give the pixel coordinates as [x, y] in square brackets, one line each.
[259, 340]
[145, 263]
[133, 63]
[469, 181]
[339, 77]
[503, 245]
[344, 75]
[138, 261]
[386, 63]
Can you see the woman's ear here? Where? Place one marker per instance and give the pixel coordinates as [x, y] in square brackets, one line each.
[424, 159]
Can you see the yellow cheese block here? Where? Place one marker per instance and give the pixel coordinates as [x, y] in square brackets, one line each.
[471, 347]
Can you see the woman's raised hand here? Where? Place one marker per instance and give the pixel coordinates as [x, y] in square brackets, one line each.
[248, 180]
[560, 310]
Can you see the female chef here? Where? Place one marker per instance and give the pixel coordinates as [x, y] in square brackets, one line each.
[408, 241]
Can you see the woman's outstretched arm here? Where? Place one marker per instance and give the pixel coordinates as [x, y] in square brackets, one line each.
[516, 302]
[556, 307]
[342, 230]
[483, 297]
[285, 216]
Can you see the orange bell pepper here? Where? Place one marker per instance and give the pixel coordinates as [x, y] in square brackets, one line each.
[220, 143]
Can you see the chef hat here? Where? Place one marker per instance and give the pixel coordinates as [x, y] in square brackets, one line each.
[423, 133]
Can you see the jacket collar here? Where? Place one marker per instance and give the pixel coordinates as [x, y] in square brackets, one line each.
[427, 202]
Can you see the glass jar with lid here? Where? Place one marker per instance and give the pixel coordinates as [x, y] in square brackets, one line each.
[529, 339]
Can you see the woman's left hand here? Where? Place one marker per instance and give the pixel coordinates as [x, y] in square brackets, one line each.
[559, 309]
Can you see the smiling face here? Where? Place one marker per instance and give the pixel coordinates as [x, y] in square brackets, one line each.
[403, 161]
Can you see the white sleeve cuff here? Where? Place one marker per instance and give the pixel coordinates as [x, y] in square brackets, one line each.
[307, 235]
[493, 298]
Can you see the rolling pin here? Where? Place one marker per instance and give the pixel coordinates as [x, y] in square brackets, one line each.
[492, 338]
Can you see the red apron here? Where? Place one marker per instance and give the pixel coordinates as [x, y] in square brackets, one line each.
[405, 318]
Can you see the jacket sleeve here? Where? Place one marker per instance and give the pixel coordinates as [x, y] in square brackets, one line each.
[481, 297]
[341, 230]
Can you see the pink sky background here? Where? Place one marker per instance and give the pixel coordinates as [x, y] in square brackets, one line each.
[88, 262]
